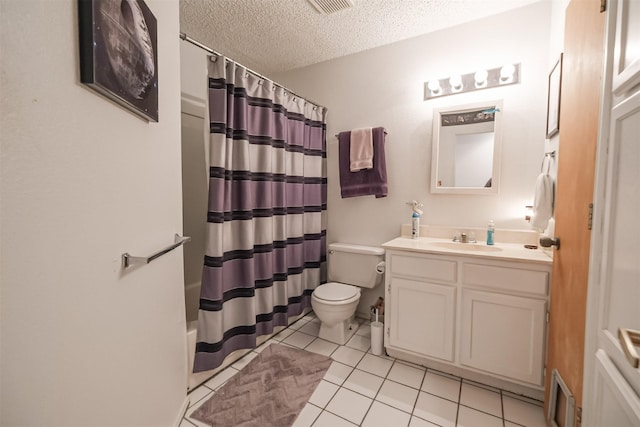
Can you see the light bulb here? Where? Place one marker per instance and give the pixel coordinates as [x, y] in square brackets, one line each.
[456, 82]
[506, 72]
[434, 86]
[528, 213]
[481, 78]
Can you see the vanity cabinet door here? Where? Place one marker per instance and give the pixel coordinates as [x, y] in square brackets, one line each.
[422, 318]
[503, 335]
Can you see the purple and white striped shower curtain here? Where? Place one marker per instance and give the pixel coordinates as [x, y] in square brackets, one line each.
[266, 223]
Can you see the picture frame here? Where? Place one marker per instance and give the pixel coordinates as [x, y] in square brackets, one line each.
[119, 53]
[553, 99]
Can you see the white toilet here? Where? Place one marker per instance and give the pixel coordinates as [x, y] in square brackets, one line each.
[351, 267]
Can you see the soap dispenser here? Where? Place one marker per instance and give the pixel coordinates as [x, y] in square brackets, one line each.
[490, 230]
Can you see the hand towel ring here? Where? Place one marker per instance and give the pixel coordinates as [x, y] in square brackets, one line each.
[550, 155]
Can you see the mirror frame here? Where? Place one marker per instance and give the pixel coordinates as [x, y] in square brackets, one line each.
[497, 149]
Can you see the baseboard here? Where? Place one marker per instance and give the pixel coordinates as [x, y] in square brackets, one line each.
[369, 316]
[532, 392]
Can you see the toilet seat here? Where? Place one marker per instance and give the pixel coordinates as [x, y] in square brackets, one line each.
[336, 293]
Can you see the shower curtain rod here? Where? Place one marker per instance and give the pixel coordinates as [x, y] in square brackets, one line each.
[185, 37]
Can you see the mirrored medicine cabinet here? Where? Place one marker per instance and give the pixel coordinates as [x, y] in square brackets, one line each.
[466, 149]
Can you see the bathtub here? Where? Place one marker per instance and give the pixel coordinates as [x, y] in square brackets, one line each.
[194, 380]
[192, 301]
[192, 297]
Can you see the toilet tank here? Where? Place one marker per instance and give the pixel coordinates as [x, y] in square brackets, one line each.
[355, 264]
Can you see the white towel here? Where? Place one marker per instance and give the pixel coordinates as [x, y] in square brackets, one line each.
[543, 202]
[361, 149]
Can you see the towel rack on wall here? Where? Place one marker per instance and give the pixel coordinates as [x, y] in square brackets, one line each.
[549, 155]
[385, 132]
[129, 260]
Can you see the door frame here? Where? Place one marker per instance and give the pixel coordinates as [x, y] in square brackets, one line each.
[594, 292]
[601, 213]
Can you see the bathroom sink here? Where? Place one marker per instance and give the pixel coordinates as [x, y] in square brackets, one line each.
[473, 247]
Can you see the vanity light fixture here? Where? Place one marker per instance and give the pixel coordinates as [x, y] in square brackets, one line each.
[480, 79]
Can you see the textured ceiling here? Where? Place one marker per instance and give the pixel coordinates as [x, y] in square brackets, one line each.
[270, 36]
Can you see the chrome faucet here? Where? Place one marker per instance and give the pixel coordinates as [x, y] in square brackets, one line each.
[465, 238]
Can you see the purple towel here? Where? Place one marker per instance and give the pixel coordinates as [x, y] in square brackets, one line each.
[364, 182]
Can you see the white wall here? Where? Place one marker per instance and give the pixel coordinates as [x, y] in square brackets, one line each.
[384, 87]
[83, 181]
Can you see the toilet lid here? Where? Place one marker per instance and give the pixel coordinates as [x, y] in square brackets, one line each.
[333, 291]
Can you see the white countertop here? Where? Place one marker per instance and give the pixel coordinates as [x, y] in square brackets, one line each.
[499, 251]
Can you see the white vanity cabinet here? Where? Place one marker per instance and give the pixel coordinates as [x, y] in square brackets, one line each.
[478, 314]
[503, 312]
[425, 318]
[503, 334]
[423, 292]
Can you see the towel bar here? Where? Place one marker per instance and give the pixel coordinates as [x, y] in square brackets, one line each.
[385, 132]
[128, 260]
[548, 155]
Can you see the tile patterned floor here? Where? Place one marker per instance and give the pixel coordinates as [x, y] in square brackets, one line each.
[361, 389]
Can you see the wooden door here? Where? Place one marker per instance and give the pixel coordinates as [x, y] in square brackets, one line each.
[612, 381]
[579, 113]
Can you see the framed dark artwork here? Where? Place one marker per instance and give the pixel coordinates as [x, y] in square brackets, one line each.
[119, 53]
[553, 99]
